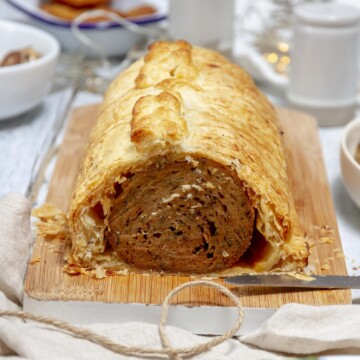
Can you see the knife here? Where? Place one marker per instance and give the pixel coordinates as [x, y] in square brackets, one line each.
[291, 281]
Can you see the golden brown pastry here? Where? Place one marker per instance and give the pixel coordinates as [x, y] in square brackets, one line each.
[82, 3]
[185, 173]
[65, 11]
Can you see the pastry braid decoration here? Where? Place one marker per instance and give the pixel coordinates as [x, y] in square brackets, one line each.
[157, 122]
[165, 60]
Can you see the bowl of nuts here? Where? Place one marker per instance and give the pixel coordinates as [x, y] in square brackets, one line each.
[27, 61]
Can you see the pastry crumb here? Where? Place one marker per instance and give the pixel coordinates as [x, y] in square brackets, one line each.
[35, 261]
[99, 272]
[326, 240]
[124, 272]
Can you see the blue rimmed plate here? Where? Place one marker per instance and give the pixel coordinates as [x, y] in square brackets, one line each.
[111, 36]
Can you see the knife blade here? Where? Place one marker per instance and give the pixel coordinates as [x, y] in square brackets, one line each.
[290, 281]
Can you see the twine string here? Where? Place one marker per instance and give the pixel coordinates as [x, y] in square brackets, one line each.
[195, 350]
[168, 350]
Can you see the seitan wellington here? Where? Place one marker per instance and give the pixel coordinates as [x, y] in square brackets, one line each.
[185, 173]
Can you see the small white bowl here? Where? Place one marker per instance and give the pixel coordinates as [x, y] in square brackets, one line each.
[350, 169]
[23, 86]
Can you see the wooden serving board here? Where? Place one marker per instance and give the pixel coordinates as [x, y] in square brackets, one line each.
[49, 291]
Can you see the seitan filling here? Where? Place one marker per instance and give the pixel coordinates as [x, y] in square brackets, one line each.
[181, 216]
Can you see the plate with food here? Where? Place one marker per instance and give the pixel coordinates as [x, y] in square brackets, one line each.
[189, 172]
[56, 16]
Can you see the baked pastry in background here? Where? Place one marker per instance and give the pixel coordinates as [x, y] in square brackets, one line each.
[185, 173]
[70, 9]
[64, 12]
[83, 3]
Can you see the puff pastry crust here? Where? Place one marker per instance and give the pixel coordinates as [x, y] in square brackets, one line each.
[184, 102]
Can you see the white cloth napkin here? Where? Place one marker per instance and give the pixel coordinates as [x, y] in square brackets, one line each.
[294, 329]
[15, 245]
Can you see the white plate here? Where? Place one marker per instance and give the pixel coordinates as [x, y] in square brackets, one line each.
[114, 39]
